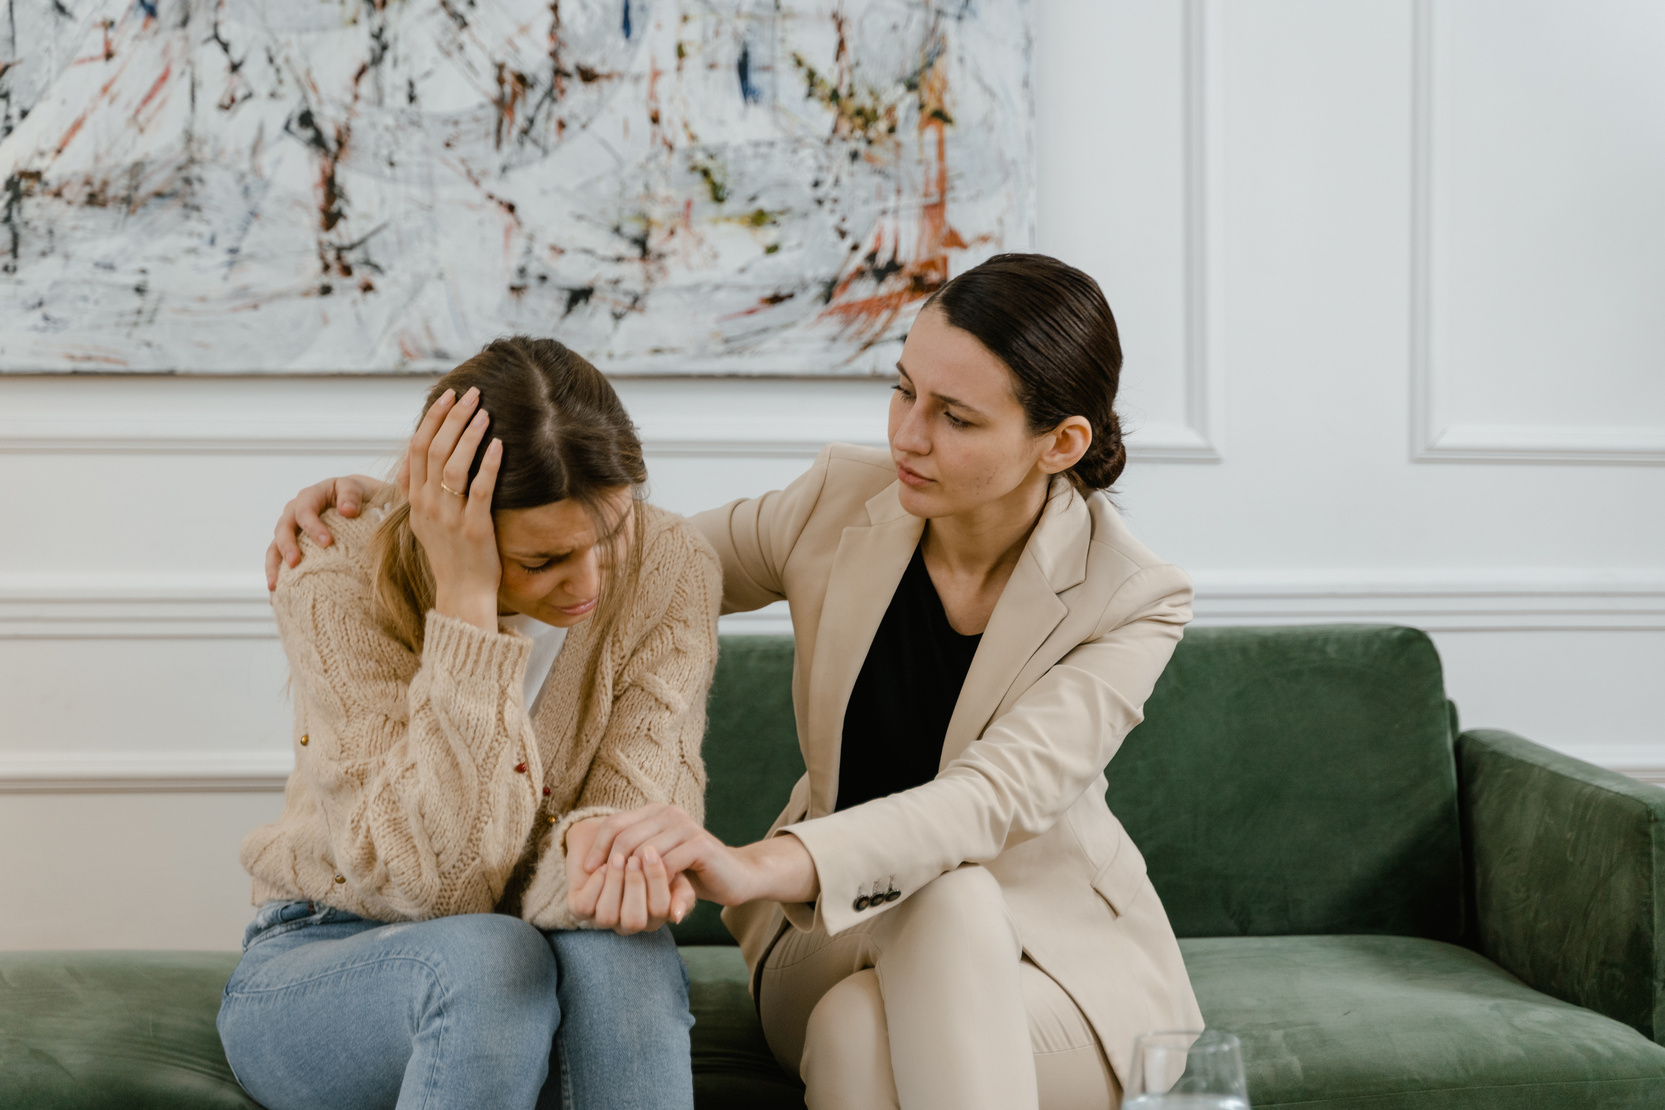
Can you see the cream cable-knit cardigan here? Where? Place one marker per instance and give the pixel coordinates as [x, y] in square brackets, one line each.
[421, 787]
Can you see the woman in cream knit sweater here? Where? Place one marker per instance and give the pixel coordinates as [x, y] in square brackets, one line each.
[482, 670]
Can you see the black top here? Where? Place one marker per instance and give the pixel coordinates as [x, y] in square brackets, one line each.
[899, 708]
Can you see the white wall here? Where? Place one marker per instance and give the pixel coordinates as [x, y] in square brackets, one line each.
[1388, 274]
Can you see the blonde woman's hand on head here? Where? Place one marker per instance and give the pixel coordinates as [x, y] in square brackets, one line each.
[347, 495]
[639, 895]
[450, 516]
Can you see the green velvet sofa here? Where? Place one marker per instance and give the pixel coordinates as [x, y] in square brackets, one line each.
[1390, 914]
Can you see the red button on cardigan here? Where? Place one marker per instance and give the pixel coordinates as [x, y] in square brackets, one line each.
[520, 768]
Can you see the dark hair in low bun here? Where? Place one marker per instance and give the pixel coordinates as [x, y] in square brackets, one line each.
[1051, 326]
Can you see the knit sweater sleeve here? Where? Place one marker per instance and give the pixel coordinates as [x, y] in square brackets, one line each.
[650, 749]
[424, 770]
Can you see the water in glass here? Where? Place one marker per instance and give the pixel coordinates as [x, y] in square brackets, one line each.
[1187, 1070]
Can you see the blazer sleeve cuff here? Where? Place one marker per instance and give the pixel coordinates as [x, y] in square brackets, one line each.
[847, 890]
[803, 916]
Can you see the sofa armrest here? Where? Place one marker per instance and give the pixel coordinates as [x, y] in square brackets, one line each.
[1567, 875]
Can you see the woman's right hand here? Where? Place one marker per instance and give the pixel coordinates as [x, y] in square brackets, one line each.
[347, 495]
[636, 896]
[775, 869]
[451, 517]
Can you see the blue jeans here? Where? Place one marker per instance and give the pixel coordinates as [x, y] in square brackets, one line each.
[330, 1010]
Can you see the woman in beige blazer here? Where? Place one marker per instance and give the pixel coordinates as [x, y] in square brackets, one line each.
[982, 935]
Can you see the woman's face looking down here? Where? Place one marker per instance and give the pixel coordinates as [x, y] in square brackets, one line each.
[554, 562]
[958, 436]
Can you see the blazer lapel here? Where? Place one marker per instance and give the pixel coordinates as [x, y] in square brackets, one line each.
[1029, 610]
[866, 570]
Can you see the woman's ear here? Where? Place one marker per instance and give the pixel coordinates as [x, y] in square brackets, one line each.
[1064, 445]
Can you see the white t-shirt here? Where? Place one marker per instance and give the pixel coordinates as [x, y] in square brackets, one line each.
[546, 645]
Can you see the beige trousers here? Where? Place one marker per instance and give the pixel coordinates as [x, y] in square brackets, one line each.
[930, 1005]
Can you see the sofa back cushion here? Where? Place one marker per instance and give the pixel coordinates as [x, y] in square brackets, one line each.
[1286, 780]
[751, 755]
[1298, 780]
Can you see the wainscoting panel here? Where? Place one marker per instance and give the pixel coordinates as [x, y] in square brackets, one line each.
[1538, 232]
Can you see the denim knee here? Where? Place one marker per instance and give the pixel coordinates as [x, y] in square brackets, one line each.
[464, 1007]
[624, 1037]
[602, 972]
[491, 957]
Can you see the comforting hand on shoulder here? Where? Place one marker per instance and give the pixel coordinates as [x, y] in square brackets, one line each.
[346, 495]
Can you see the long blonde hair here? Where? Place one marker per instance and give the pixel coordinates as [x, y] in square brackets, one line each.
[565, 435]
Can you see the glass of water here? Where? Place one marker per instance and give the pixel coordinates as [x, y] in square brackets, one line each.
[1187, 1071]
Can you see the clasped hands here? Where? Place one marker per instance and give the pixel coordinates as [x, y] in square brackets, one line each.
[633, 871]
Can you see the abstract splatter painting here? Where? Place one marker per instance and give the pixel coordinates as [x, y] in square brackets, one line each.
[668, 186]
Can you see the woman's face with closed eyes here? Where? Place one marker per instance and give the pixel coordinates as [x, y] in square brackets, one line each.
[554, 563]
[958, 436]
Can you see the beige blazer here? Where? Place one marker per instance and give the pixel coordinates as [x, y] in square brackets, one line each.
[1077, 640]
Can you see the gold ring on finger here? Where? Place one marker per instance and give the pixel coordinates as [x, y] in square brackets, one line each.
[452, 492]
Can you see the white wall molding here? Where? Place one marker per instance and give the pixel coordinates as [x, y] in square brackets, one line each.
[1202, 221]
[146, 773]
[230, 433]
[223, 773]
[186, 607]
[1438, 600]
[1433, 439]
[1522, 444]
[751, 431]
[1433, 600]
[669, 430]
[1195, 438]
[673, 424]
[234, 606]
[1422, 421]
[134, 607]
